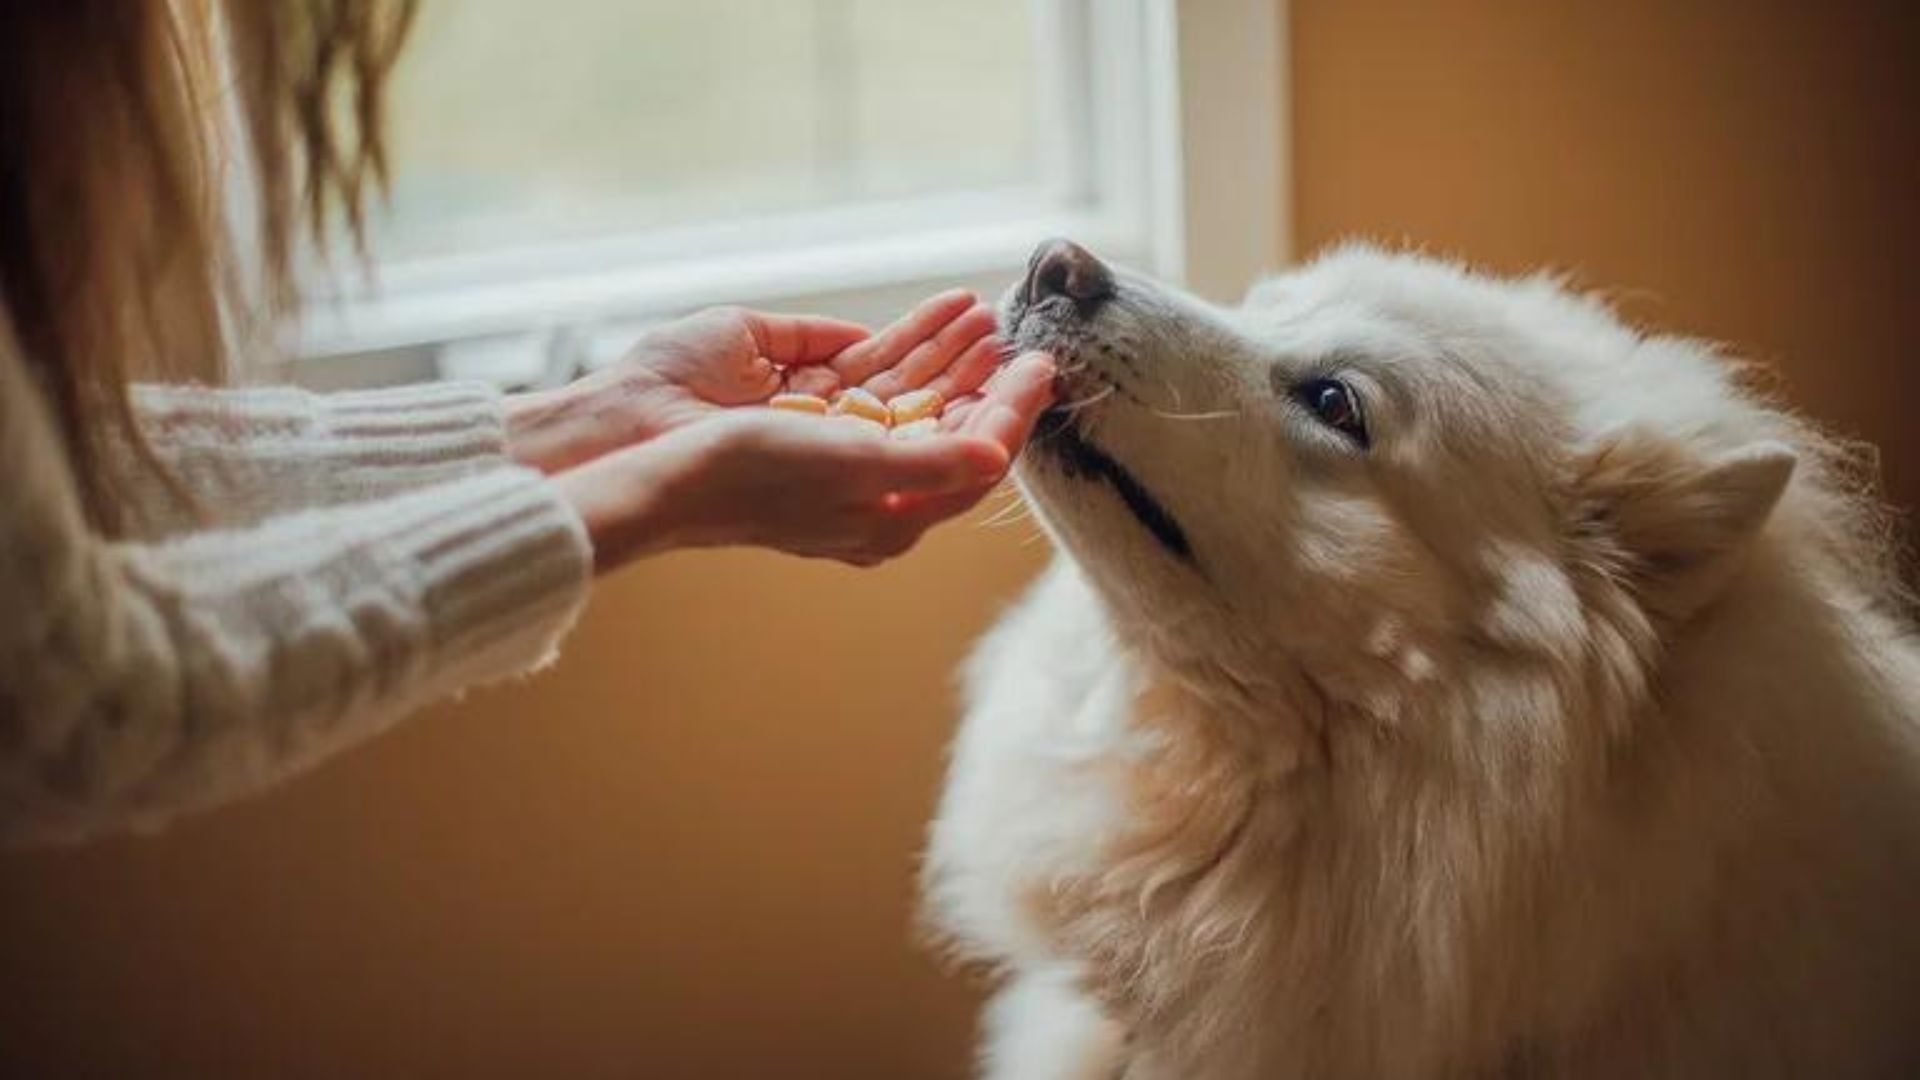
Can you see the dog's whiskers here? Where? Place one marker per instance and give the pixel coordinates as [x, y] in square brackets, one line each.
[1087, 402]
[1008, 518]
[1222, 414]
[1014, 512]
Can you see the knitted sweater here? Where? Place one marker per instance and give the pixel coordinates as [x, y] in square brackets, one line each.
[375, 551]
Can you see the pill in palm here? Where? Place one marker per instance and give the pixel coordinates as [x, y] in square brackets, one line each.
[854, 401]
[916, 405]
[917, 429]
[805, 403]
[862, 423]
[912, 415]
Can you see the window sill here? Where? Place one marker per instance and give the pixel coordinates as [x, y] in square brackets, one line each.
[546, 327]
[1189, 184]
[608, 287]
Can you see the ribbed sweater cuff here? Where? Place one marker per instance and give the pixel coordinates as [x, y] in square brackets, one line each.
[257, 451]
[411, 427]
[503, 564]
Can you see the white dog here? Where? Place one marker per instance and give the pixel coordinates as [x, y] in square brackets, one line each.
[1437, 678]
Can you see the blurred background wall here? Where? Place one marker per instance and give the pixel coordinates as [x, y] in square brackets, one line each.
[688, 851]
[1742, 170]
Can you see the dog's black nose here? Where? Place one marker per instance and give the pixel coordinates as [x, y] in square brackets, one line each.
[1064, 268]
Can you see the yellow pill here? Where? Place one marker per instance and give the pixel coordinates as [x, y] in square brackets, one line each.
[857, 402]
[917, 429]
[916, 405]
[872, 427]
[805, 403]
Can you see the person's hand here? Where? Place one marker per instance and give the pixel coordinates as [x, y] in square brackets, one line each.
[803, 484]
[693, 368]
[946, 343]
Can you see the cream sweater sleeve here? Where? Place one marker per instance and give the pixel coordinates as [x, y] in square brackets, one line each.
[140, 680]
[256, 451]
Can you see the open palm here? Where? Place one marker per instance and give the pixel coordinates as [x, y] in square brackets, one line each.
[728, 357]
[723, 359]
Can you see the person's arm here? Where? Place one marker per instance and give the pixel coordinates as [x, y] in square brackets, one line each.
[142, 680]
[246, 454]
[138, 681]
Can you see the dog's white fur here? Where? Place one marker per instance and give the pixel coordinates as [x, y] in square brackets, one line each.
[1563, 731]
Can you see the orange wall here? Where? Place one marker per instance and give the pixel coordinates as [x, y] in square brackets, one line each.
[688, 851]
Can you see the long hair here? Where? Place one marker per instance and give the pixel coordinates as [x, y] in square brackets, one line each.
[118, 255]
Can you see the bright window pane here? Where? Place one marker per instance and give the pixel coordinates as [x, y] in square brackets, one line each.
[517, 122]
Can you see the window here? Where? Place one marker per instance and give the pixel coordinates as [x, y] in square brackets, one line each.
[622, 116]
[570, 170]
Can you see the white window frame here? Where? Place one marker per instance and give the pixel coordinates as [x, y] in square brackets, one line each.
[1182, 173]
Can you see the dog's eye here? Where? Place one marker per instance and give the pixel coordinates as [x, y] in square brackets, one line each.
[1334, 404]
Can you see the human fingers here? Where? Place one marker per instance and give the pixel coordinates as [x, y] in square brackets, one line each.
[970, 370]
[794, 340]
[936, 354]
[865, 359]
[1009, 405]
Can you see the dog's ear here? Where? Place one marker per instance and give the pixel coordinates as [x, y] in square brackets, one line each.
[1265, 293]
[1676, 525]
